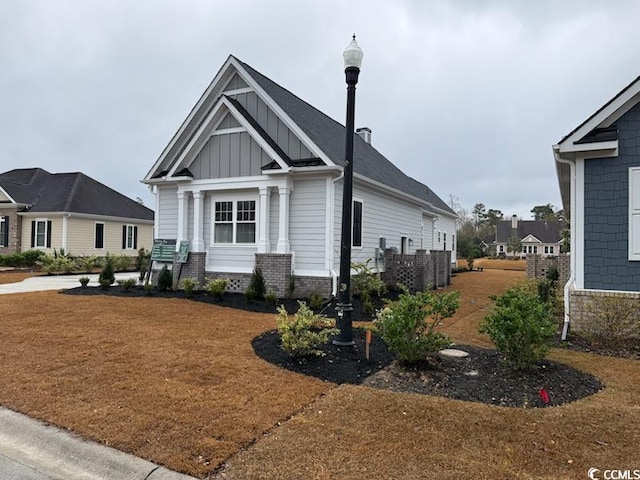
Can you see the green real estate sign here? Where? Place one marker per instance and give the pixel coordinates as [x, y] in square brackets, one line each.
[183, 252]
[163, 250]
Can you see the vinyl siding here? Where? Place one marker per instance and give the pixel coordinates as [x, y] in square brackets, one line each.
[307, 213]
[56, 232]
[167, 215]
[231, 258]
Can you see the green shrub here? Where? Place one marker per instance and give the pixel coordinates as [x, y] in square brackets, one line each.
[189, 285]
[470, 261]
[316, 300]
[58, 264]
[128, 283]
[148, 288]
[29, 258]
[87, 264]
[105, 284]
[612, 321]
[250, 294]
[366, 282]
[84, 281]
[291, 287]
[521, 327]
[257, 284]
[217, 287]
[409, 325]
[271, 297]
[165, 279]
[121, 263]
[142, 260]
[107, 273]
[305, 332]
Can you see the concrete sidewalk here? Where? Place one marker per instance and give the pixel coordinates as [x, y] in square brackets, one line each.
[57, 282]
[32, 450]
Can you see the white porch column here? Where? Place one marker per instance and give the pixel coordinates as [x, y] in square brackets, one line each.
[283, 220]
[263, 221]
[197, 244]
[182, 217]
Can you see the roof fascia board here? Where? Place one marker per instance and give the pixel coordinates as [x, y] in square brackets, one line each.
[282, 114]
[397, 193]
[223, 101]
[601, 149]
[4, 192]
[608, 114]
[216, 80]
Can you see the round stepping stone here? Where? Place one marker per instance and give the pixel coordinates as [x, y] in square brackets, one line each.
[453, 352]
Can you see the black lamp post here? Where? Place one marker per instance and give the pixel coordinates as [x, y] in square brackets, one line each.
[352, 61]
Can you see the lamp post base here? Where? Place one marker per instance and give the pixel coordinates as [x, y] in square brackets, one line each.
[345, 338]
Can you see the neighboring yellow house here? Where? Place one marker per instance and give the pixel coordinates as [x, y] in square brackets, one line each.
[70, 211]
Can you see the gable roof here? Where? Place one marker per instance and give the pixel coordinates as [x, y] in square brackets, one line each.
[546, 232]
[68, 192]
[325, 133]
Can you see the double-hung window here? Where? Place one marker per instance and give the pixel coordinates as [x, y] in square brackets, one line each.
[235, 222]
[41, 233]
[129, 237]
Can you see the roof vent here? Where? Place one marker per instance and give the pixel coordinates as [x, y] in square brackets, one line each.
[364, 133]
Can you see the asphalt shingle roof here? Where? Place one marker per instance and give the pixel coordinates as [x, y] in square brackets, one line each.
[546, 232]
[69, 192]
[329, 136]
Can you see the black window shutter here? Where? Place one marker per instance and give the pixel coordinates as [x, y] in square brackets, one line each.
[124, 237]
[4, 241]
[135, 238]
[48, 233]
[33, 233]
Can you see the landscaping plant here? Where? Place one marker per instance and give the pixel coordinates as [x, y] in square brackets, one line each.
[521, 327]
[409, 325]
[365, 282]
[257, 286]
[271, 297]
[302, 334]
[217, 287]
[165, 279]
[84, 281]
[189, 285]
[128, 283]
[107, 274]
[612, 321]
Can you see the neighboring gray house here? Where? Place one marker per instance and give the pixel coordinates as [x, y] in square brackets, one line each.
[598, 168]
[70, 211]
[539, 237]
[253, 176]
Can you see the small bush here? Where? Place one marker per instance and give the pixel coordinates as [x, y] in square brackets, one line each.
[257, 285]
[217, 287]
[165, 279]
[612, 321]
[292, 286]
[121, 263]
[105, 284]
[128, 283]
[305, 332]
[148, 288]
[142, 260]
[107, 273]
[470, 261]
[189, 285]
[409, 325]
[271, 297]
[250, 294]
[521, 327]
[316, 300]
[58, 264]
[84, 281]
[87, 264]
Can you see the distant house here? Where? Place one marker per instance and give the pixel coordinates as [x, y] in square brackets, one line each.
[598, 168]
[539, 237]
[70, 211]
[253, 177]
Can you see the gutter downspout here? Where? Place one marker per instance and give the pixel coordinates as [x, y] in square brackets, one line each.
[572, 276]
[332, 272]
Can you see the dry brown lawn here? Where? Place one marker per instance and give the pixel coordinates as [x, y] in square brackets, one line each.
[13, 276]
[495, 264]
[177, 382]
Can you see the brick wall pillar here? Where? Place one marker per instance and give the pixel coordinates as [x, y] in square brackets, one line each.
[276, 269]
[193, 268]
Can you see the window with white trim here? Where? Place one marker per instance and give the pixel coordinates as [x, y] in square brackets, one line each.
[99, 235]
[41, 233]
[129, 237]
[634, 214]
[235, 222]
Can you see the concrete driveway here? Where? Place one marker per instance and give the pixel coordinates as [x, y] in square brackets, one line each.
[57, 282]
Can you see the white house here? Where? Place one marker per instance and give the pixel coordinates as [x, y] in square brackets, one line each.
[253, 177]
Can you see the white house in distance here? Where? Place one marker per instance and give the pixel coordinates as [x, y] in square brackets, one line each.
[253, 177]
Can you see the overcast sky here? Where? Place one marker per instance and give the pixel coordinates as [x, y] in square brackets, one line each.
[465, 96]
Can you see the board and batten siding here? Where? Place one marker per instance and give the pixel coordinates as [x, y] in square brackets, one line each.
[167, 214]
[229, 155]
[307, 225]
[274, 127]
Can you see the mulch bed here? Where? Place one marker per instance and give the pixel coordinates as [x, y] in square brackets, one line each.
[480, 377]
